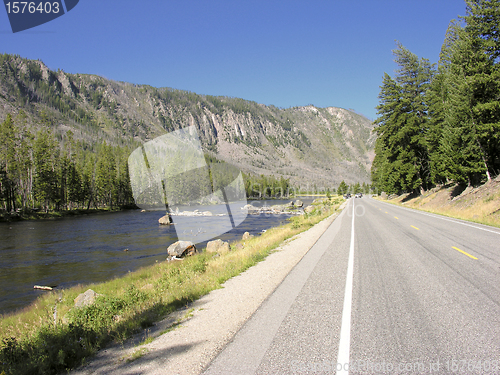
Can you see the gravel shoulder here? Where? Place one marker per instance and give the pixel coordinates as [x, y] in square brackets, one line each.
[190, 338]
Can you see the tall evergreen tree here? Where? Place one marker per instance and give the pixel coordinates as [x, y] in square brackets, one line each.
[342, 189]
[46, 154]
[470, 143]
[24, 156]
[105, 176]
[88, 181]
[483, 20]
[357, 188]
[7, 163]
[438, 101]
[483, 25]
[384, 172]
[402, 161]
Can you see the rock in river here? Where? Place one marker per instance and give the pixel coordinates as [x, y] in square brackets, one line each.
[181, 248]
[165, 220]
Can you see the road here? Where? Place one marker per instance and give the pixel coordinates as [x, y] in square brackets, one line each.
[421, 295]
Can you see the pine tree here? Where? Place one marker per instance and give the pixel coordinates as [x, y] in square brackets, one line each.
[343, 188]
[105, 176]
[438, 101]
[483, 25]
[357, 188]
[7, 163]
[73, 185]
[24, 157]
[470, 144]
[46, 154]
[402, 161]
[483, 20]
[88, 181]
[383, 169]
[124, 190]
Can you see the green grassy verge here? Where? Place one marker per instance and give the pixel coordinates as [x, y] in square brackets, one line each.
[36, 341]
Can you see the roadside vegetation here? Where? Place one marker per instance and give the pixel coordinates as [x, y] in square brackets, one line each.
[51, 336]
[479, 204]
[440, 125]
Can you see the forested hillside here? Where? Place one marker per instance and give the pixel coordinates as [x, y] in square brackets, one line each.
[38, 171]
[68, 136]
[442, 124]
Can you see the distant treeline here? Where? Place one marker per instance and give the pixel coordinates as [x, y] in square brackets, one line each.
[38, 171]
[42, 171]
[272, 187]
[266, 186]
[353, 189]
[441, 124]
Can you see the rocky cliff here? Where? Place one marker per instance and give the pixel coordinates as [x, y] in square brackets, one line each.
[309, 145]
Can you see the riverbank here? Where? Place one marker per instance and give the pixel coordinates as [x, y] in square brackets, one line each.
[479, 204]
[52, 336]
[197, 332]
[41, 215]
[87, 249]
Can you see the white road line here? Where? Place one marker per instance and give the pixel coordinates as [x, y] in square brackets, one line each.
[345, 330]
[440, 217]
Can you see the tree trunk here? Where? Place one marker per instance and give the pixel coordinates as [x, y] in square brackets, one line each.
[484, 161]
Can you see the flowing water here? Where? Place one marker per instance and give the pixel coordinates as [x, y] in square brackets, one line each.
[93, 248]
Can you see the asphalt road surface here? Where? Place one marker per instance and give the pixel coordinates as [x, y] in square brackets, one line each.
[385, 290]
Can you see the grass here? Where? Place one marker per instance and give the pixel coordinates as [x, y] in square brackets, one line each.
[36, 341]
[149, 340]
[137, 354]
[480, 206]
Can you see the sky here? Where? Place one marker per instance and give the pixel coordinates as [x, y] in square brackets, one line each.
[281, 53]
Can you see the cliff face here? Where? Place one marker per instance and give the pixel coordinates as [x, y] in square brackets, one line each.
[309, 145]
[320, 146]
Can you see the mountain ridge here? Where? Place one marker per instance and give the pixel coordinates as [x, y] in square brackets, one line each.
[308, 145]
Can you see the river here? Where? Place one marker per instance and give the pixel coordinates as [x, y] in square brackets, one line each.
[93, 248]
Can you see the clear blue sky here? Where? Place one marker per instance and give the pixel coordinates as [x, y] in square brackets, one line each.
[285, 53]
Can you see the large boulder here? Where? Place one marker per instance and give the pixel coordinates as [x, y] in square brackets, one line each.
[299, 203]
[165, 220]
[217, 246]
[85, 299]
[181, 249]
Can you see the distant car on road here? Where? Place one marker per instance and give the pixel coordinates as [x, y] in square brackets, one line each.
[358, 195]
[347, 196]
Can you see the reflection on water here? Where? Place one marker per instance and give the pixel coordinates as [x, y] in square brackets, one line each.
[94, 248]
